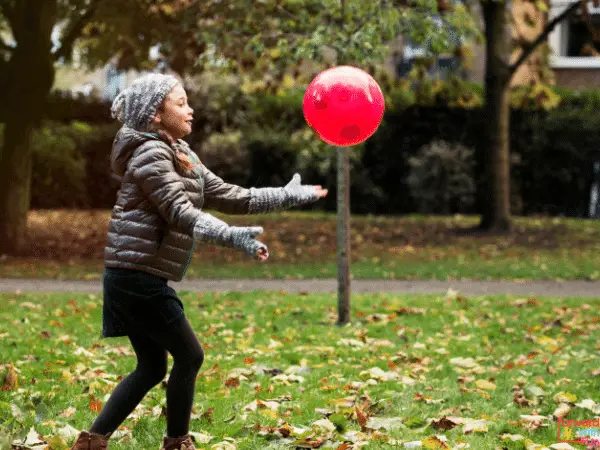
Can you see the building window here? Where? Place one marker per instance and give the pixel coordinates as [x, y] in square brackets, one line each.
[572, 41]
[115, 82]
[443, 66]
[580, 39]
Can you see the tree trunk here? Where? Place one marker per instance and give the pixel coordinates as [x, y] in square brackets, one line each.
[15, 182]
[496, 210]
[343, 235]
[30, 78]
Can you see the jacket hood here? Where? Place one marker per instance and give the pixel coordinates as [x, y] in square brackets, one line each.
[124, 144]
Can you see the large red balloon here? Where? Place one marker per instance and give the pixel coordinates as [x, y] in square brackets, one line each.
[344, 105]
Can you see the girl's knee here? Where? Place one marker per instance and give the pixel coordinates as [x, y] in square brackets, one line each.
[198, 358]
[153, 375]
[193, 359]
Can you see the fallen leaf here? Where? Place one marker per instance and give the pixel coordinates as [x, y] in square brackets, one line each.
[443, 424]
[11, 381]
[562, 410]
[485, 384]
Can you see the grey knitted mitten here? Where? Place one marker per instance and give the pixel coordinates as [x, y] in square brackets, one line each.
[264, 200]
[212, 230]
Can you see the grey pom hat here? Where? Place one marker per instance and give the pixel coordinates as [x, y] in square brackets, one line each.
[137, 105]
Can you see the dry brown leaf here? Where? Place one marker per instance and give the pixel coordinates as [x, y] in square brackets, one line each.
[562, 410]
[361, 417]
[95, 404]
[443, 424]
[212, 371]
[434, 443]
[11, 380]
[208, 415]
[68, 412]
[232, 382]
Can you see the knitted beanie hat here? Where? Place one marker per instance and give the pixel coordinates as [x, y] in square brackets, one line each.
[137, 105]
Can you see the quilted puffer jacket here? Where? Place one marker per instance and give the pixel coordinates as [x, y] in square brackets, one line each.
[158, 203]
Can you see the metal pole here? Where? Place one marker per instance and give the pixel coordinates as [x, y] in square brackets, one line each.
[343, 235]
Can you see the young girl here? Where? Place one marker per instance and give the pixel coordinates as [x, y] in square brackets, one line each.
[156, 221]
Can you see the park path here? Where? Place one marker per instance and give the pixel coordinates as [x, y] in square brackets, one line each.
[575, 288]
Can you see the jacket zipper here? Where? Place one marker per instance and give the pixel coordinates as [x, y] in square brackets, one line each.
[199, 174]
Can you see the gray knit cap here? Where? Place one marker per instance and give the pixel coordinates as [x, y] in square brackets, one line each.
[137, 105]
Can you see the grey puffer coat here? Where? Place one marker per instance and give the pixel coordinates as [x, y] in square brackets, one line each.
[158, 203]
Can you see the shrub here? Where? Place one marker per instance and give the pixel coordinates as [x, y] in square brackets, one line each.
[226, 155]
[71, 165]
[58, 177]
[261, 139]
[65, 107]
[442, 179]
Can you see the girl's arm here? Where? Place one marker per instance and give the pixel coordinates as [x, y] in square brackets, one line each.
[153, 170]
[224, 197]
[232, 199]
[264, 200]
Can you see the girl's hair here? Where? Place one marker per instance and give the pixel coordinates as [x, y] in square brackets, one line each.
[184, 161]
[181, 158]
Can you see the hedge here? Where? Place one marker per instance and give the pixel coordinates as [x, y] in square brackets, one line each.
[261, 140]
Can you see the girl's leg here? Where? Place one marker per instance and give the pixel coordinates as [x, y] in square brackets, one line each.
[150, 370]
[188, 357]
[181, 341]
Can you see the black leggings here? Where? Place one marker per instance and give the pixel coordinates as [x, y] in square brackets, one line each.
[181, 342]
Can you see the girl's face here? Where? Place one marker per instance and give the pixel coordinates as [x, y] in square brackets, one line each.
[175, 116]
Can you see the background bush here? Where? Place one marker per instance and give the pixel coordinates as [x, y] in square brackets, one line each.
[257, 139]
[442, 178]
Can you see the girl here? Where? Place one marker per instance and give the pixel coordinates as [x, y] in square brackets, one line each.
[156, 221]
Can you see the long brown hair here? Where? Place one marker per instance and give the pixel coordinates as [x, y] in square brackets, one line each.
[184, 161]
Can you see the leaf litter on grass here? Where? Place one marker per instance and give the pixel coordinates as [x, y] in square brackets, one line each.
[439, 372]
[70, 243]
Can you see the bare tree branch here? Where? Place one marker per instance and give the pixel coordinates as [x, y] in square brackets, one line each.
[286, 11]
[527, 51]
[368, 17]
[74, 32]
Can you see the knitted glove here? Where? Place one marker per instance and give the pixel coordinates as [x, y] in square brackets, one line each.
[212, 230]
[264, 200]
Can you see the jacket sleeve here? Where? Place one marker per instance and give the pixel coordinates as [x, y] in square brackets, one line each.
[224, 197]
[153, 171]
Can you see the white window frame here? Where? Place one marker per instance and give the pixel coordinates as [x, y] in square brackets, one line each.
[558, 41]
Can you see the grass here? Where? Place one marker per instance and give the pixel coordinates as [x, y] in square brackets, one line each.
[544, 266]
[70, 244]
[493, 366]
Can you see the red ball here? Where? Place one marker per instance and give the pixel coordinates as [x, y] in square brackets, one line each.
[344, 105]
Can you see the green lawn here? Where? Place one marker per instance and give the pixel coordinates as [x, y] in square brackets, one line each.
[277, 365]
[544, 266]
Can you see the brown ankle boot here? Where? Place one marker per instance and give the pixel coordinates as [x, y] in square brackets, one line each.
[91, 441]
[178, 443]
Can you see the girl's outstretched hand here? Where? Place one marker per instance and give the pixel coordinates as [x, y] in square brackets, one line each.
[321, 192]
[263, 254]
